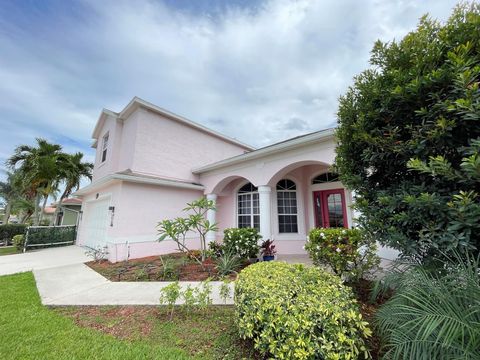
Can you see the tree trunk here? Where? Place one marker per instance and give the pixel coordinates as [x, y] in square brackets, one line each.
[8, 209]
[37, 208]
[43, 209]
[57, 209]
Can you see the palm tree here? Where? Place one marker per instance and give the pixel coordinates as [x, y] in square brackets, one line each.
[40, 166]
[10, 191]
[72, 171]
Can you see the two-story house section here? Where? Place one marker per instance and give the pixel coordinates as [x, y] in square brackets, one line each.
[150, 162]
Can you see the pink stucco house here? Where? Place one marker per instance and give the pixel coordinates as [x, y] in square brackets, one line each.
[150, 162]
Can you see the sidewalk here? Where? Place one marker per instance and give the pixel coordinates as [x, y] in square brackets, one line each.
[42, 259]
[77, 284]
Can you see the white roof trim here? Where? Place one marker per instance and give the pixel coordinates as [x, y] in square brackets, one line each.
[101, 121]
[268, 150]
[137, 179]
[136, 102]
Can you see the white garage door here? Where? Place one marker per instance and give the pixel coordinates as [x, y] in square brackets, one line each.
[96, 223]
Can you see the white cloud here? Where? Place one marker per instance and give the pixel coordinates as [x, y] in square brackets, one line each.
[260, 74]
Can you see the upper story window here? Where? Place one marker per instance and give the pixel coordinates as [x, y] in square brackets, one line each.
[325, 178]
[104, 147]
[248, 207]
[287, 206]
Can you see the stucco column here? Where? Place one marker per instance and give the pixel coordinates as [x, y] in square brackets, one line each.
[264, 194]
[211, 217]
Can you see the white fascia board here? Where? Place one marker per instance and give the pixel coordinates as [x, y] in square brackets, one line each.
[101, 121]
[136, 179]
[266, 151]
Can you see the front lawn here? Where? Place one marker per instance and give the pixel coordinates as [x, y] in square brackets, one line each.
[209, 334]
[28, 330]
[9, 250]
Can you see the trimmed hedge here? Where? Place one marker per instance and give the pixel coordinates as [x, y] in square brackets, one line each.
[242, 241]
[348, 252]
[40, 235]
[296, 312]
[8, 231]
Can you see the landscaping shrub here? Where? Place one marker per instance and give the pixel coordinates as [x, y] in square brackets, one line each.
[51, 235]
[8, 231]
[19, 241]
[433, 313]
[348, 252]
[296, 312]
[227, 264]
[243, 242]
[408, 138]
[216, 249]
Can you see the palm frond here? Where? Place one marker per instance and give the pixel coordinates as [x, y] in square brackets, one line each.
[434, 314]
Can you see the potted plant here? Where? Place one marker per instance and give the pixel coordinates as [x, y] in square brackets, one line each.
[268, 250]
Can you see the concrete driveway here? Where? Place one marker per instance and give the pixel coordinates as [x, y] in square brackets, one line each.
[42, 259]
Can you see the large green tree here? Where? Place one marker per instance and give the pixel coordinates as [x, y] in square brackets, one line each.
[10, 191]
[409, 138]
[40, 167]
[73, 170]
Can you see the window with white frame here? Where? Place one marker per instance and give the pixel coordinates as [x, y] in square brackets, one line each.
[287, 206]
[104, 147]
[248, 207]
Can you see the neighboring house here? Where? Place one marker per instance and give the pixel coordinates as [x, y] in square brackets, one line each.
[69, 211]
[48, 214]
[150, 162]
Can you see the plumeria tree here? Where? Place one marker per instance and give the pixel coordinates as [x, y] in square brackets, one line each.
[195, 222]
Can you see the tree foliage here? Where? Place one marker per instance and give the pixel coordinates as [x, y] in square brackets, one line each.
[433, 314]
[44, 169]
[409, 138]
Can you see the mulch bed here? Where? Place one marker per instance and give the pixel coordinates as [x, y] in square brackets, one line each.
[170, 267]
[362, 291]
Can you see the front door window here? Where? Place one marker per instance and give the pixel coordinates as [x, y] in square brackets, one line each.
[330, 210]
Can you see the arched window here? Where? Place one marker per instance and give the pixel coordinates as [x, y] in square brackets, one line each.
[287, 206]
[248, 208]
[325, 178]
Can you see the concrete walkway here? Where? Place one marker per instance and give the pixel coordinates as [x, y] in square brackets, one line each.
[63, 279]
[78, 284]
[42, 259]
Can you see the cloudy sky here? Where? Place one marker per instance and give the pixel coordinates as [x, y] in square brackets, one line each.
[259, 71]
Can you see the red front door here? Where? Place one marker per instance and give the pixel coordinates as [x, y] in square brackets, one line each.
[330, 210]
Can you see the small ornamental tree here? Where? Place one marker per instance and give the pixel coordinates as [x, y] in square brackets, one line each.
[178, 228]
[409, 138]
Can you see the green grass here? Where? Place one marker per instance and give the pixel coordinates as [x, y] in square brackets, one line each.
[9, 250]
[28, 330]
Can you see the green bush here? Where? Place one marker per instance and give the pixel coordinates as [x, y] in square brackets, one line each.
[242, 242]
[19, 241]
[8, 231]
[296, 312]
[434, 313]
[408, 138]
[51, 234]
[348, 252]
[216, 249]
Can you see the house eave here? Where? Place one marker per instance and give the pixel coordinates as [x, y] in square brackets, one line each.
[268, 150]
[101, 120]
[136, 179]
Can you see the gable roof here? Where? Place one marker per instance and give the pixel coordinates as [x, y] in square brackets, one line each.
[281, 146]
[137, 103]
